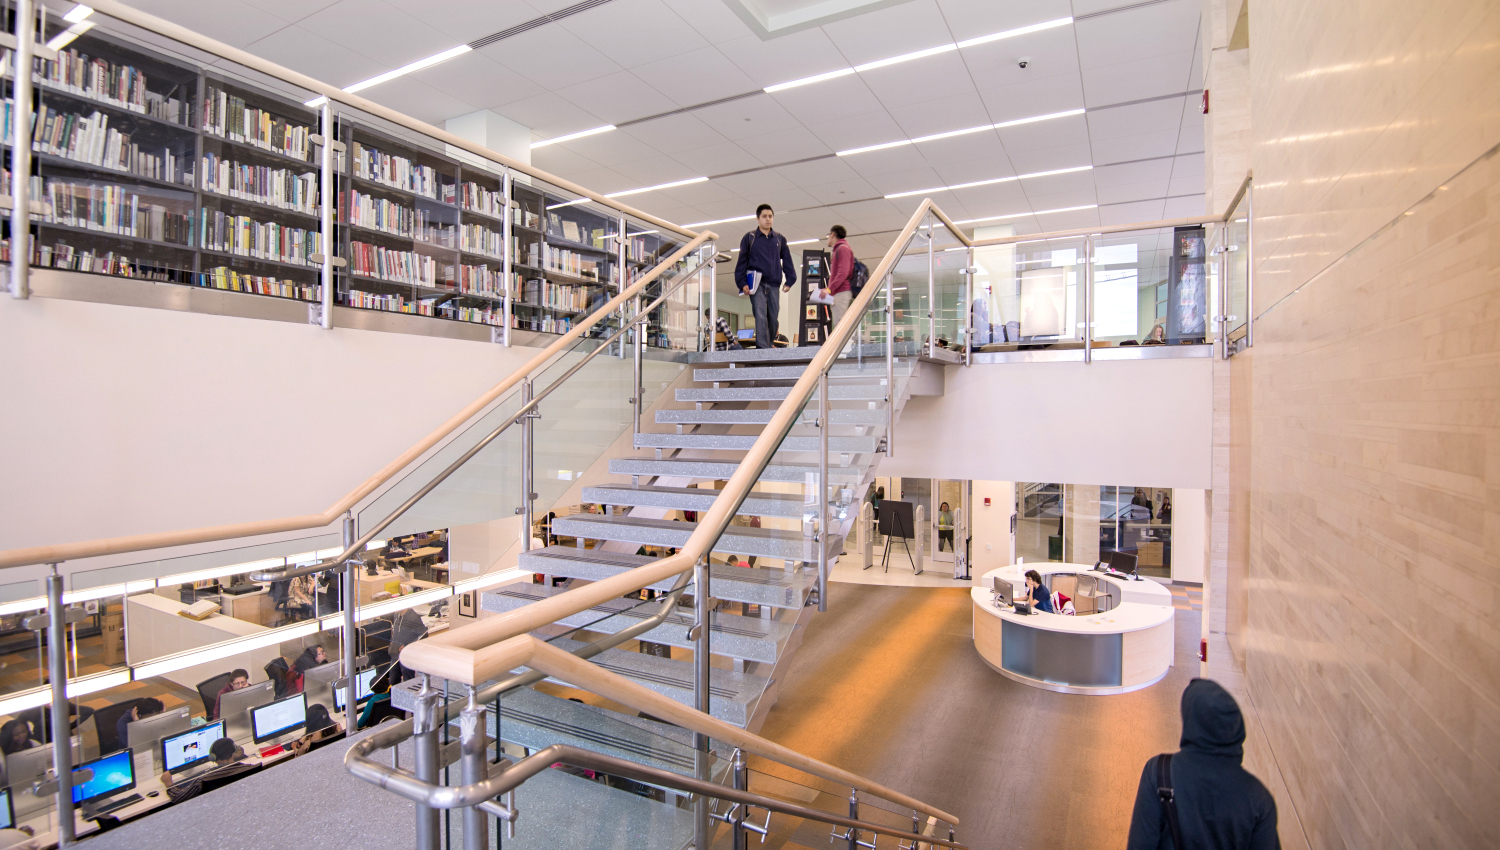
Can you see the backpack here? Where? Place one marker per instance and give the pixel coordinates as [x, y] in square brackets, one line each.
[858, 277]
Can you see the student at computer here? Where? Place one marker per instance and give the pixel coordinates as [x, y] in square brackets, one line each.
[311, 657]
[1041, 600]
[321, 728]
[143, 708]
[227, 765]
[15, 736]
[237, 680]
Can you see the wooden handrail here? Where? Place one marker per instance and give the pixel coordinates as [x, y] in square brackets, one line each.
[469, 667]
[161, 540]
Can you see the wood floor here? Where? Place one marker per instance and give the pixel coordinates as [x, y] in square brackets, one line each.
[887, 684]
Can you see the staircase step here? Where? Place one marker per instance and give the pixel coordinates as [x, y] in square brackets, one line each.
[836, 392]
[736, 540]
[715, 470]
[536, 720]
[734, 636]
[799, 354]
[692, 499]
[743, 442]
[868, 369]
[776, 588]
[836, 416]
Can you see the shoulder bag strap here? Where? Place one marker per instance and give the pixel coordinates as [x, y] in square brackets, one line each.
[1168, 799]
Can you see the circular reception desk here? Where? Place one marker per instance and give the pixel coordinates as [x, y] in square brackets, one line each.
[1125, 647]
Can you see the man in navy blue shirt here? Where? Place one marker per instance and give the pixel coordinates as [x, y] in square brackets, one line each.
[764, 250]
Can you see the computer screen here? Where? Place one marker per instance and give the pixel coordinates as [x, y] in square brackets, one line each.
[113, 773]
[279, 717]
[363, 680]
[234, 707]
[7, 812]
[191, 747]
[1004, 588]
[1122, 562]
[142, 735]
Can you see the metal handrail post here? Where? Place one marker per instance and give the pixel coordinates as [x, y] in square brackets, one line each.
[473, 744]
[970, 291]
[702, 668]
[1250, 262]
[350, 576]
[821, 538]
[890, 366]
[1088, 299]
[506, 255]
[425, 746]
[20, 166]
[853, 815]
[635, 383]
[57, 671]
[932, 288]
[713, 299]
[526, 494]
[325, 216]
[741, 783]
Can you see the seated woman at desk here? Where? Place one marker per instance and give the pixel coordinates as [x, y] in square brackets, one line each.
[1041, 599]
[15, 736]
[227, 765]
[321, 728]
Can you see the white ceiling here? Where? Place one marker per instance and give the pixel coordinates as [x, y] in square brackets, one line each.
[628, 59]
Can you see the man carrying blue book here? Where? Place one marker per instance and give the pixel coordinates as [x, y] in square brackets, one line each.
[764, 257]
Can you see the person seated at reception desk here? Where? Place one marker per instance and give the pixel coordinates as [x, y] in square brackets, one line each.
[1041, 599]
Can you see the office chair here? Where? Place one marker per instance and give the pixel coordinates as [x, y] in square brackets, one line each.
[208, 691]
[106, 721]
[276, 671]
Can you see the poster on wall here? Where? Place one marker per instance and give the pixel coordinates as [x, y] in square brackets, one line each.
[1187, 298]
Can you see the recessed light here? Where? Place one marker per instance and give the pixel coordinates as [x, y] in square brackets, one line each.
[571, 136]
[1024, 214]
[78, 13]
[991, 182]
[951, 133]
[418, 65]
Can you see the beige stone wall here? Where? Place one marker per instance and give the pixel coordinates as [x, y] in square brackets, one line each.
[1372, 405]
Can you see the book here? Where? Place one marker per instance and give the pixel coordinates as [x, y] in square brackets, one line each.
[200, 610]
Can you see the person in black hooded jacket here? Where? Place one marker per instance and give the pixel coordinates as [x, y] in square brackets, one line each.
[1220, 805]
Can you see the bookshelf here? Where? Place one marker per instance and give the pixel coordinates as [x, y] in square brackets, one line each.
[154, 167]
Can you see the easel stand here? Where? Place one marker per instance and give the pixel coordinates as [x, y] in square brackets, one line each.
[898, 528]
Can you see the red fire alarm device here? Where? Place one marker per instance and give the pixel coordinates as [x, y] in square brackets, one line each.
[986, 501]
[1203, 649]
[1205, 101]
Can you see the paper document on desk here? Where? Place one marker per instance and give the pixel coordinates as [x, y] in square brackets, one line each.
[200, 610]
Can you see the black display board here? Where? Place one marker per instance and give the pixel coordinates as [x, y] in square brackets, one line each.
[897, 519]
[1187, 297]
[812, 322]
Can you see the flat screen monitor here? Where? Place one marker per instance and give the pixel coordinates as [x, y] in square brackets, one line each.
[1004, 589]
[7, 811]
[186, 749]
[112, 774]
[27, 766]
[234, 707]
[363, 680]
[279, 717]
[142, 735]
[318, 681]
[1122, 562]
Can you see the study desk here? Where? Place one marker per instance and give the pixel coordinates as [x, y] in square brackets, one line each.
[1124, 649]
[369, 585]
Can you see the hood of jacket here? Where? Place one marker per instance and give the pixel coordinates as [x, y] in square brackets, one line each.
[1211, 720]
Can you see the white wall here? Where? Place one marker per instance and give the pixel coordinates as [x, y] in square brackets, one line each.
[992, 539]
[125, 420]
[1145, 421]
[1189, 534]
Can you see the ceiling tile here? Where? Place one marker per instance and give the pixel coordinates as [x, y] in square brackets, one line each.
[1149, 30]
[477, 79]
[952, 173]
[315, 56]
[1049, 53]
[1116, 193]
[557, 159]
[843, 190]
[879, 166]
[1048, 159]
[784, 146]
[742, 119]
[618, 97]
[1003, 198]
[696, 77]
[549, 116]
[838, 98]
[603, 180]
[1138, 79]
[1184, 207]
[940, 115]
[982, 147]
[694, 195]
[974, 18]
[535, 56]
[1129, 148]
[612, 148]
[919, 81]
[287, 10]
[1041, 96]
[713, 21]
[421, 101]
[857, 130]
[1159, 170]
[717, 159]
[466, 20]
[236, 22]
[784, 58]
[674, 133]
[890, 31]
[634, 32]
[1132, 212]
[1079, 181]
[376, 29]
[652, 171]
[1071, 130]
[1191, 138]
[819, 172]
[747, 185]
[1135, 119]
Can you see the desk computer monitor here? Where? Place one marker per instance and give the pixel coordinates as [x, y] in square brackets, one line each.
[1122, 562]
[142, 735]
[318, 681]
[279, 718]
[1004, 590]
[185, 749]
[112, 774]
[363, 680]
[234, 707]
[7, 812]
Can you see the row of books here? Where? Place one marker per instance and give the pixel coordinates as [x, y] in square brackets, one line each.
[552, 296]
[566, 261]
[525, 218]
[544, 323]
[223, 277]
[483, 280]
[116, 209]
[229, 116]
[478, 239]
[401, 173]
[478, 199]
[635, 249]
[64, 256]
[390, 217]
[596, 237]
[92, 141]
[277, 187]
[391, 265]
[263, 240]
[119, 85]
[482, 315]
